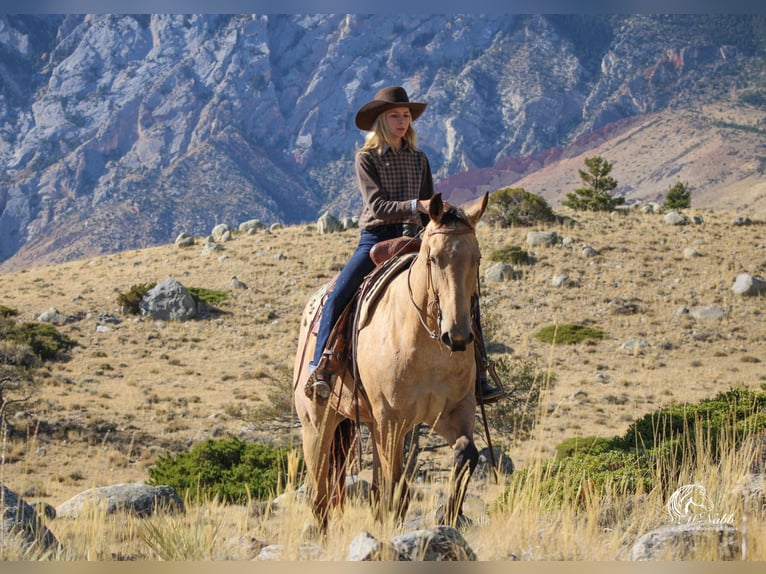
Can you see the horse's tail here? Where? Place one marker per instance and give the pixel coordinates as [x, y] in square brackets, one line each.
[341, 456]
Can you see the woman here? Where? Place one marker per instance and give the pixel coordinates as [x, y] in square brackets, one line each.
[395, 181]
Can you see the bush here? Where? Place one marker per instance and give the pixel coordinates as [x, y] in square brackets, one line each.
[230, 470]
[679, 196]
[654, 450]
[7, 311]
[130, 301]
[43, 339]
[511, 254]
[517, 414]
[568, 334]
[209, 296]
[515, 206]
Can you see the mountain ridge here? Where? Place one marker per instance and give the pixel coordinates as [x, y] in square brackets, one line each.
[121, 131]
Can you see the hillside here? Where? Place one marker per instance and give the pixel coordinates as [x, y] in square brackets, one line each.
[134, 389]
[716, 149]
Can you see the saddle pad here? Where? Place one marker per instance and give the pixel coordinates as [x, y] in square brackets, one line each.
[314, 304]
[376, 283]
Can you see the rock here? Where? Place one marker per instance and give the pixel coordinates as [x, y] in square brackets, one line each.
[503, 463]
[559, 280]
[20, 523]
[708, 312]
[237, 284]
[589, 251]
[748, 285]
[278, 552]
[251, 226]
[692, 541]
[169, 301]
[53, 316]
[635, 346]
[350, 222]
[134, 498]
[501, 272]
[442, 543]
[211, 246]
[221, 233]
[328, 224]
[545, 238]
[184, 240]
[675, 218]
[690, 253]
[366, 548]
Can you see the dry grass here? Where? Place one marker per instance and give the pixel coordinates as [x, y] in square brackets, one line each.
[142, 388]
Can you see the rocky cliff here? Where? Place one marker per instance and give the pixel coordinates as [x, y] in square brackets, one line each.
[120, 132]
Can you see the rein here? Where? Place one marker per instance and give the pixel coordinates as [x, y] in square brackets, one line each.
[429, 280]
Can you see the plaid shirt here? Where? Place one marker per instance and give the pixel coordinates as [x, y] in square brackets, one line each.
[389, 181]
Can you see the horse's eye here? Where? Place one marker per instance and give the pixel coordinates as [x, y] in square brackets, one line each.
[432, 258]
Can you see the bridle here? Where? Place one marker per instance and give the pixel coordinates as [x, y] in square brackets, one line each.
[434, 305]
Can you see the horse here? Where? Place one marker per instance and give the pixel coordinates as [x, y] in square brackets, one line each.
[415, 364]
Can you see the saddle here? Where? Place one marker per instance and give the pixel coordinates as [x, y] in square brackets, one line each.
[390, 257]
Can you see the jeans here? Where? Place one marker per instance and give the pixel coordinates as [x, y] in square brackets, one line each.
[349, 280]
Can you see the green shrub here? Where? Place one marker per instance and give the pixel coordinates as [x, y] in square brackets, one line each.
[45, 340]
[130, 301]
[653, 451]
[209, 296]
[515, 206]
[568, 334]
[586, 445]
[679, 196]
[737, 409]
[511, 254]
[7, 311]
[230, 470]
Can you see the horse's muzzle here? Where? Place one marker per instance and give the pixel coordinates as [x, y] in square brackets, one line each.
[457, 343]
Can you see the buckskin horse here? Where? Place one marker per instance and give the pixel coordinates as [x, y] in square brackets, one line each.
[413, 362]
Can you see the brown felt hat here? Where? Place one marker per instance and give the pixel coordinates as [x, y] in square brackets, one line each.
[385, 99]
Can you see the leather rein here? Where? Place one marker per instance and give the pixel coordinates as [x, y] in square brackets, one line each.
[434, 303]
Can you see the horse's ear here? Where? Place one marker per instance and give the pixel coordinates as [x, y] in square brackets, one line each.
[475, 209]
[436, 207]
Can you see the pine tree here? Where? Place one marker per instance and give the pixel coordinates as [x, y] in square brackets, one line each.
[594, 196]
[679, 196]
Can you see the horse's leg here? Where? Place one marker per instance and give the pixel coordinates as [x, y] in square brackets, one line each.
[317, 446]
[457, 430]
[394, 495]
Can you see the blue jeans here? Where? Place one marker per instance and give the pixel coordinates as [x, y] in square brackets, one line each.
[349, 280]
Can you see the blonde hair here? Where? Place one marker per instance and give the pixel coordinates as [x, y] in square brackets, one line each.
[379, 136]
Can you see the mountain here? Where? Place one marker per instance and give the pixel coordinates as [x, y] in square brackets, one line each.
[121, 131]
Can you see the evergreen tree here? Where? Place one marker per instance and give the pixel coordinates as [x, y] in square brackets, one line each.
[594, 196]
[679, 196]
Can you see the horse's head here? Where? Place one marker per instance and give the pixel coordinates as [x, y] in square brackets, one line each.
[452, 256]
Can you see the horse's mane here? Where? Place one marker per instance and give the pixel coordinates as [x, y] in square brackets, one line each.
[452, 216]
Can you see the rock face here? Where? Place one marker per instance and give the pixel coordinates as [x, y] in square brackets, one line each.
[147, 125]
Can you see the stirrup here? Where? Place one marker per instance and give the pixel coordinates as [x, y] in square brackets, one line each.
[318, 388]
[485, 392]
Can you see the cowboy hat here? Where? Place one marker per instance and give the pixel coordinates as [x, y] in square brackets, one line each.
[385, 99]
